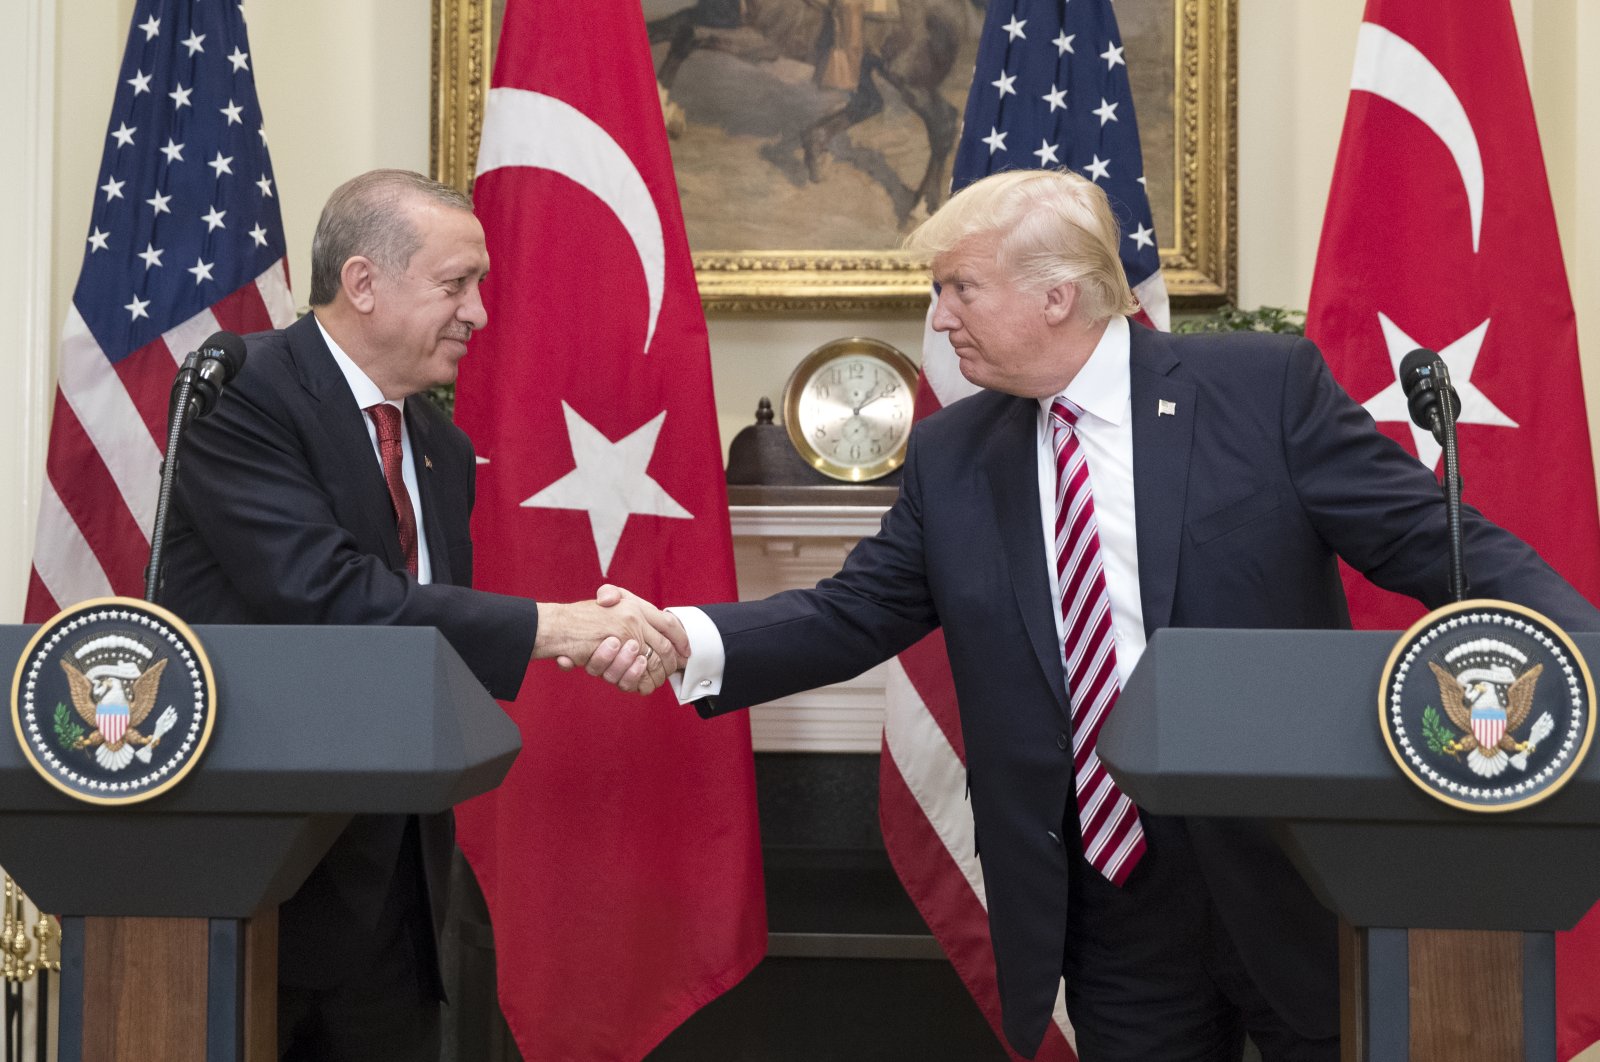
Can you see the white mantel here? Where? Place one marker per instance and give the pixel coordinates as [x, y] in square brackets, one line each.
[779, 547]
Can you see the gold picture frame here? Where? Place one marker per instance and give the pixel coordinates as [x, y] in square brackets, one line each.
[1199, 262]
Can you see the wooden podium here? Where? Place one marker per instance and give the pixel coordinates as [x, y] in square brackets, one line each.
[1450, 954]
[169, 908]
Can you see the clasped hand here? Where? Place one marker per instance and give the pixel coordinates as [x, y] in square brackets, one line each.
[618, 636]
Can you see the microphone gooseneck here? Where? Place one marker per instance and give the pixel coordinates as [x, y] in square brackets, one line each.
[1434, 404]
[195, 392]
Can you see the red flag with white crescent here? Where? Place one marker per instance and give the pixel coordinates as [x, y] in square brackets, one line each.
[1440, 234]
[620, 857]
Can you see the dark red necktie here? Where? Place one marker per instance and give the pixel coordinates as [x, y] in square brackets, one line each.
[387, 420]
[1113, 838]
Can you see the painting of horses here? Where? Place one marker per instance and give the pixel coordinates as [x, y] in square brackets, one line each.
[809, 136]
[790, 141]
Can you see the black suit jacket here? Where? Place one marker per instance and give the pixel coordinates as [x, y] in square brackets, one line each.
[1244, 496]
[281, 515]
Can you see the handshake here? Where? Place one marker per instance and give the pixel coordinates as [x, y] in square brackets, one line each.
[619, 637]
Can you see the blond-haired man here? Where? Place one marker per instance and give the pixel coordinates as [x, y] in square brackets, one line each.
[1109, 481]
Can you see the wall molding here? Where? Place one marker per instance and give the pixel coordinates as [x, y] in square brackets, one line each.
[27, 188]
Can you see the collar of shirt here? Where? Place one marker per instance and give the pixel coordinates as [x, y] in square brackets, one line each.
[1101, 387]
[366, 392]
[1100, 392]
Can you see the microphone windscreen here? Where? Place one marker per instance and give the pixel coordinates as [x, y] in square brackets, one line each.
[227, 348]
[1416, 369]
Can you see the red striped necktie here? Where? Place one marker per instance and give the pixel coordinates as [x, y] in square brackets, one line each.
[386, 419]
[1113, 839]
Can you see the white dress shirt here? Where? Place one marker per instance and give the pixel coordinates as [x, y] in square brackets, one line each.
[367, 394]
[1101, 392]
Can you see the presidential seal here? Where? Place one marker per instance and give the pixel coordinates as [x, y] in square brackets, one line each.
[113, 701]
[1487, 705]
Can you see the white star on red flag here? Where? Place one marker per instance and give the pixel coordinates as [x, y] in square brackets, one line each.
[610, 482]
[1460, 357]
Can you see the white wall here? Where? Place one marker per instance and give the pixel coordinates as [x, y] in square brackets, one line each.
[27, 77]
[345, 87]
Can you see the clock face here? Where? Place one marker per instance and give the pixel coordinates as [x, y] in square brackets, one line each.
[849, 408]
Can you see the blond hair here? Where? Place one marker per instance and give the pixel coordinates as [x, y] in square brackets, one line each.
[1055, 227]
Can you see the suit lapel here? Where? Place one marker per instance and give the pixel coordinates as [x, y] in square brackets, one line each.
[421, 432]
[1012, 465]
[1163, 433]
[359, 480]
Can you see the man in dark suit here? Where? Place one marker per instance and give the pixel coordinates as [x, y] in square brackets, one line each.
[323, 489]
[1110, 481]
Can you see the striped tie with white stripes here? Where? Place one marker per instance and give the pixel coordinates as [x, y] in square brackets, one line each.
[1113, 839]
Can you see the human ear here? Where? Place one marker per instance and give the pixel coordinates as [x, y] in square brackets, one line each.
[357, 278]
[1059, 302]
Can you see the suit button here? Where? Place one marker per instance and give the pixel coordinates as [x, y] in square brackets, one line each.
[1054, 837]
[1062, 741]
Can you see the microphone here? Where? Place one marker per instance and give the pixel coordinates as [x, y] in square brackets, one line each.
[1424, 378]
[208, 370]
[195, 392]
[1434, 405]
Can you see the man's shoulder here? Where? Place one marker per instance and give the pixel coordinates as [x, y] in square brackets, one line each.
[975, 415]
[437, 422]
[269, 360]
[1233, 347]
[1251, 360]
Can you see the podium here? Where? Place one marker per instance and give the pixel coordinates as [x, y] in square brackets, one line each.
[169, 907]
[1451, 953]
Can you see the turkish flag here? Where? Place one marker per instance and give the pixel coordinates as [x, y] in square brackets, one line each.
[1440, 234]
[620, 858]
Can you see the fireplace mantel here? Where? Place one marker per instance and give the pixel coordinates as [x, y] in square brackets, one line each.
[780, 547]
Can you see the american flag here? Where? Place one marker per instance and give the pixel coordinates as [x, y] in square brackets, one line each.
[185, 238]
[1050, 91]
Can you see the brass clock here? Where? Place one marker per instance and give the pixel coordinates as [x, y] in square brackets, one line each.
[848, 408]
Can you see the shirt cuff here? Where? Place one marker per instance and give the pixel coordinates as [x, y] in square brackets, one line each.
[702, 674]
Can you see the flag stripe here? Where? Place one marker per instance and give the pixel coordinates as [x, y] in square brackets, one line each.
[933, 773]
[245, 310]
[928, 670]
[109, 418]
[84, 488]
[1155, 311]
[275, 296]
[929, 849]
[187, 336]
[147, 377]
[38, 592]
[63, 564]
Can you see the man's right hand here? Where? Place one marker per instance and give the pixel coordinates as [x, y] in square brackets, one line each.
[618, 636]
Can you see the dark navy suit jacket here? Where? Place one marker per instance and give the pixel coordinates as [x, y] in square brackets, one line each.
[281, 515]
[1244, 497]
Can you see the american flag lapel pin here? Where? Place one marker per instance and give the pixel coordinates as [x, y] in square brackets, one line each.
[1165, 408]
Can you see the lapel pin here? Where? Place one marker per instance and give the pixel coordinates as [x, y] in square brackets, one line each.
[427, 462]
[1165, 408]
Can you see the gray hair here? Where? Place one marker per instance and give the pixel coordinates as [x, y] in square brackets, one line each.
[1055, 227]
[366, 216]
